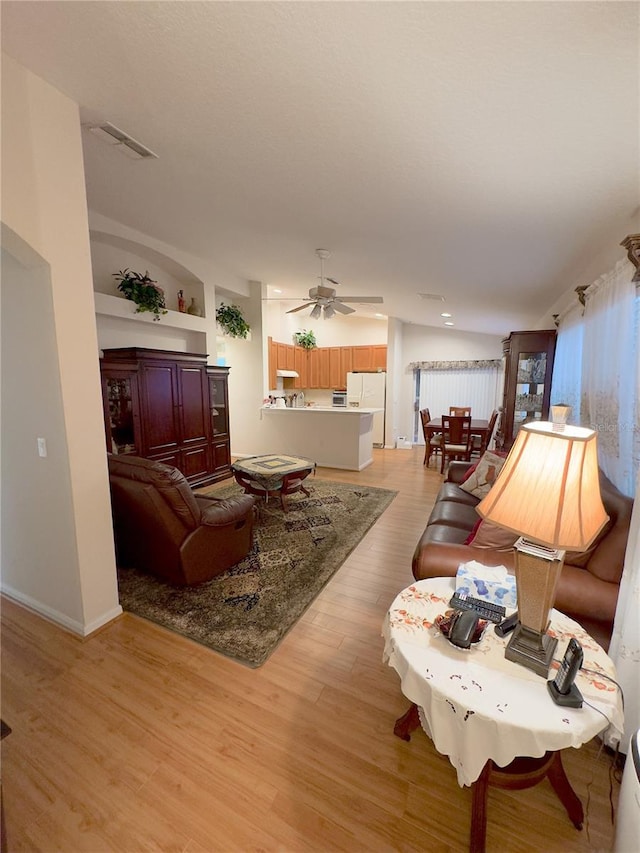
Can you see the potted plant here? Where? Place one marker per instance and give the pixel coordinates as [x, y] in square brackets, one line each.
[231, 321]
[305, 339]
[142, 290]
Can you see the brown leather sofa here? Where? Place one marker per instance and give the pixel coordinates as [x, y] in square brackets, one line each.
[162, 527]
[589, 583]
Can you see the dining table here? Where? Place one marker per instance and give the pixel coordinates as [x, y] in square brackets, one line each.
[479, 426]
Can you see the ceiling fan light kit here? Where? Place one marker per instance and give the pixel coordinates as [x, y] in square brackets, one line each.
[325, 298]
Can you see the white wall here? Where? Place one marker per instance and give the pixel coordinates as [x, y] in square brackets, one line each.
[118, 332]
[107, 259]
[247, 374]
[339, 331]
[57, 549]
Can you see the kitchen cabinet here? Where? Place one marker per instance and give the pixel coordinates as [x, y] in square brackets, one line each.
[314, 368]
[158, 404]
[285, 358]
[323, 367]
[528, 363]
[362, 358]
[346, 366]
[325, 373]
[301, 366]
[369, 357]
[379, 357]
[336, 377]
[273, 363]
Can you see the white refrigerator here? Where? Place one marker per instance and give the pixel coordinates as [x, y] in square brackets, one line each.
[368, 390]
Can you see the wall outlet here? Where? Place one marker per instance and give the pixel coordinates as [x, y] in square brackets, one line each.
[42, 447]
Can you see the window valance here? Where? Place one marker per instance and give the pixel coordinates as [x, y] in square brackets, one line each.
[480, 364]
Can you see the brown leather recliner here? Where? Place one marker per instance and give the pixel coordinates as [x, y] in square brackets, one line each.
[589, 582]
[163, 528]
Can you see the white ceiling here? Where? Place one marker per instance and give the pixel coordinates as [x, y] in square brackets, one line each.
[483, 151]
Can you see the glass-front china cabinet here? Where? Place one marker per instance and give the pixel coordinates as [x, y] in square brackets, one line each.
[527, 383]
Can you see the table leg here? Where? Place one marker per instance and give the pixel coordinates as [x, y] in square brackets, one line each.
[479, 791]
[407, 723]
[565, 792]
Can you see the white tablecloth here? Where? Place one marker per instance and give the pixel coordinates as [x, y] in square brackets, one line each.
[476, 705]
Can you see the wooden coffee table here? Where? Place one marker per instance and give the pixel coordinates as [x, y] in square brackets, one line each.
[273, 475]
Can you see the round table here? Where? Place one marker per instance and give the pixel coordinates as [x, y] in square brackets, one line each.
[485, 712]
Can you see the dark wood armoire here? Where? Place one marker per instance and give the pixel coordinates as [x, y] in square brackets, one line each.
[168, 406]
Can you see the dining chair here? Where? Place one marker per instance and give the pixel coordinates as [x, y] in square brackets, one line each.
[460, 410]
[432, 444]
[455, 440]
[478, 445]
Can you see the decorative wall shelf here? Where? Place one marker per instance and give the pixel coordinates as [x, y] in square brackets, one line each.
[116, 306]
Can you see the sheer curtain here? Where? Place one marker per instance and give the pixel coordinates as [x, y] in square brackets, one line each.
[625, 642]
[610, 374]
[567, 364]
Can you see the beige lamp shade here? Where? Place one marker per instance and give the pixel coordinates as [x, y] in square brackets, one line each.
[548, 489]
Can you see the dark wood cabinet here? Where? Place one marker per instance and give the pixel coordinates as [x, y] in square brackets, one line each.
[168, 406]
[528, 362]
[219, 409]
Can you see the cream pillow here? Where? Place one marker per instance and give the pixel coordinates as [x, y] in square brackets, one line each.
[484, 476]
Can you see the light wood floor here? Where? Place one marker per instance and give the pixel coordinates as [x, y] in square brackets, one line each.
[137, 739]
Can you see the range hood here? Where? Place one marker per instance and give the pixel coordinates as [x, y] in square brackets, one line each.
[287, 373]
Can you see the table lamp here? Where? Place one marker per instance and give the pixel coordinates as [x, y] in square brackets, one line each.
[548, 491]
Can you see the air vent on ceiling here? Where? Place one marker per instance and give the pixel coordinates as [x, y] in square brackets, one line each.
[112, 135]
[435, 297]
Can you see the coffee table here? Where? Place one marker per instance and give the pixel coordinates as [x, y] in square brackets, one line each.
[493, 718]
[273, 475]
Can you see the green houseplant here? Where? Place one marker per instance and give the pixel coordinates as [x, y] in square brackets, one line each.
[305, 339]
[142, 290]
[231, 321]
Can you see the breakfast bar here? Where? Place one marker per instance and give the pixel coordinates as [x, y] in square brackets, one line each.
[334, 437]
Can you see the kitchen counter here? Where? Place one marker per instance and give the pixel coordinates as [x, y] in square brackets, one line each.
[333, 436]
[338, 410]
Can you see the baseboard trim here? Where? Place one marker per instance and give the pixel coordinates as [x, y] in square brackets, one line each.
[58, 618]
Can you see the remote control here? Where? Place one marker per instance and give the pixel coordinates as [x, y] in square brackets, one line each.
[487, 610]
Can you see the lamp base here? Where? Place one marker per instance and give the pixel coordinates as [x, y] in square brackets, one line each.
[531, 649]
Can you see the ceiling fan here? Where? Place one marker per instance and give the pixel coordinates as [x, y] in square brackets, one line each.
[324, 298]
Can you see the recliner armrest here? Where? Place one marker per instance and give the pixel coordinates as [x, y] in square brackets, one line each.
[221, 511]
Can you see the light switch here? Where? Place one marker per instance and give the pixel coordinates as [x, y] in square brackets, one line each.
[42, 447]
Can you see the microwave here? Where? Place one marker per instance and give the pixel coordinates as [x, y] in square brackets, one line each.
[339, 398]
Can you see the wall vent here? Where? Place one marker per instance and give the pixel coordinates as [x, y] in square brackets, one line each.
[129, 146]
[435, 297]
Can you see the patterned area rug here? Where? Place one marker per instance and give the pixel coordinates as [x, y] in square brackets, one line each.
[245, 612]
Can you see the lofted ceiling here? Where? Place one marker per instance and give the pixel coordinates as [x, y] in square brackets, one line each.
[484, 152]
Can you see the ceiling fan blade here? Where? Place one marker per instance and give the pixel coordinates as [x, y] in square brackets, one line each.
[299, 308]
[343, 309]
[370, 299]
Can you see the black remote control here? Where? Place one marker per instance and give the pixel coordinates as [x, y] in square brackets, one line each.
[485, 609]
[507, 625]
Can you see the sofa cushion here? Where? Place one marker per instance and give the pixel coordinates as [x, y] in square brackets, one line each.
[443, 533]
[472, 535]
[581, 558]
[489, 535]
[454, 514]
[452, 492]
[484, 476]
